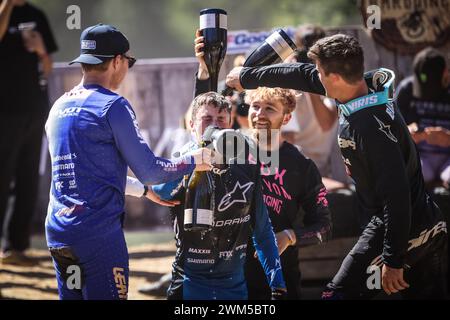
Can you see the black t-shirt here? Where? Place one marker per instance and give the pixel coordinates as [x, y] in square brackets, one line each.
[425, 112]
[295, 199]
[19, 82]
[293, 186]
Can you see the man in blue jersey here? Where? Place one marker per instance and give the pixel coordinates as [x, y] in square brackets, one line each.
[93, 137]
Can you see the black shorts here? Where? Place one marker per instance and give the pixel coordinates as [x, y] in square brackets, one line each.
[425, 272]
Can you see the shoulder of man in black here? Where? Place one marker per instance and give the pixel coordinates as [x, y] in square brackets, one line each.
[43, 27]
[381, 136]
[374, 119]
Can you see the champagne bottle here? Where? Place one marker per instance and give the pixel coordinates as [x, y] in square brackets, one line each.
[228, 144]
[199, 202]
[213, 26]
[276, 48]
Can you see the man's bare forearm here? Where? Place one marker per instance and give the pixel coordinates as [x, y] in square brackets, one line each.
[47, 64]
[6, 8]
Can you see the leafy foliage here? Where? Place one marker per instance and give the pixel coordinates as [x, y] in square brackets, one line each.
[166, 28]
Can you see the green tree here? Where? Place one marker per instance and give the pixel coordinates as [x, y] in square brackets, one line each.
[158, 28]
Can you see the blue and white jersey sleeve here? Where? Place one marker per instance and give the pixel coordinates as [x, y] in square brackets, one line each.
[134, 187]
[265, 242]
[148, 168]
[166, 190]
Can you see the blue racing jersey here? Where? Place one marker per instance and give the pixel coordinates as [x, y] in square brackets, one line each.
[93, 137]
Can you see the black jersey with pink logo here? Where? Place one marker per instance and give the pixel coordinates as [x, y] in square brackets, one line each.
[295, 199]
[295, 196]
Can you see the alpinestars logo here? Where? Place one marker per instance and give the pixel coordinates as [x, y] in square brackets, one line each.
[237, 195]
[386, 129]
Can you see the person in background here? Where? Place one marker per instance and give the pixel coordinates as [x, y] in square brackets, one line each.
[241, 115]
[313, 126]
[424, 101]
[26, 45]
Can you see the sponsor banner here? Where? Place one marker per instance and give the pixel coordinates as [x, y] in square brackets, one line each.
[243, 41]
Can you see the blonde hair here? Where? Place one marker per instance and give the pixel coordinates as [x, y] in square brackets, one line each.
[285, 96]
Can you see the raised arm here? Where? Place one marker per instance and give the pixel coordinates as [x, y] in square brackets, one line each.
[202, 84]
[298, 76]
[6, 7]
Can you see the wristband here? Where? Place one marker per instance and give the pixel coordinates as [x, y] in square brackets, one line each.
[145, 191]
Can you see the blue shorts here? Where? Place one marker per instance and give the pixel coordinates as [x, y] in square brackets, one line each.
[93, 270]
[231, 287]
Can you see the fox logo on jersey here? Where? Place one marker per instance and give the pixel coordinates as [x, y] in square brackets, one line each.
[346, 143]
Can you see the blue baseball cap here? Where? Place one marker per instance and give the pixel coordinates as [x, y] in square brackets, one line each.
[100, 43]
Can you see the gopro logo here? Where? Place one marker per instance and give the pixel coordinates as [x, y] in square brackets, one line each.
[88, 44]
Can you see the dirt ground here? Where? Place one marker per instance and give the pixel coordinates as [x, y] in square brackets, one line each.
[148, 262]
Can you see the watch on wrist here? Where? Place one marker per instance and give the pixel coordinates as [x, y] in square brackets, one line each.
[145, 191]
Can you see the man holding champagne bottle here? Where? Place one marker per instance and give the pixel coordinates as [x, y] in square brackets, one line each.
[209, 264]
[296, 175]
[221, 209]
